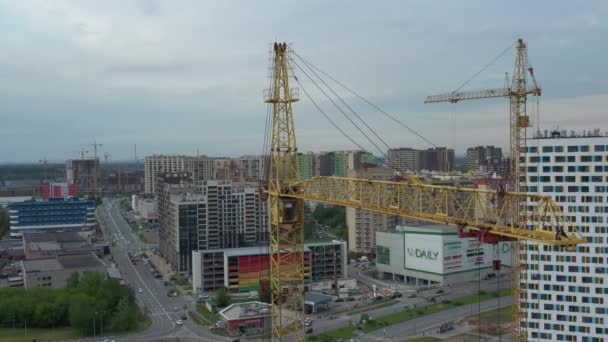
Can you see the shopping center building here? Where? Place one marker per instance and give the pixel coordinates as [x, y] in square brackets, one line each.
[434, 254]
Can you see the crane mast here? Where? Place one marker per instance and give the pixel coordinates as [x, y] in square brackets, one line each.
[519, 121]
[286, 252]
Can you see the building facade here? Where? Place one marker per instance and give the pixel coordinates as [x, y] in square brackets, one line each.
[55, 272]
[158, 164]
[434, 254]
[84, 174]
[207, 215]
[56, 214]
[57, 190]
[568, 291]
[308, 165]
[243, 269]
[406, 159]
[363, 224]
[480, 158]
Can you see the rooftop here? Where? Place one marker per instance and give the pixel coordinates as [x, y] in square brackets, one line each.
[79, 261]
[245, 310]
[41, 265]
[561, 134]
[314, 298]
[62, 262]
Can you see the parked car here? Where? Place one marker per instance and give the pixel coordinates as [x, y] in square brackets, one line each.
[140, 290]
[309, 331]
[179, 322]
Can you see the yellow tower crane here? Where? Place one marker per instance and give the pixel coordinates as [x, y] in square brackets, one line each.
[517, 92]
[489, 215]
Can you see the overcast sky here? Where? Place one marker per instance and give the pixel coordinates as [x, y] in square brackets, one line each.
[181, 76]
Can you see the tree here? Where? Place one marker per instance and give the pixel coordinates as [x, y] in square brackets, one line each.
[82, 312]
[73, 280]
[265, 294]
[125, 317]
[222, 298]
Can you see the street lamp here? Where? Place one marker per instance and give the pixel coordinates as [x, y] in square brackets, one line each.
[101, 313]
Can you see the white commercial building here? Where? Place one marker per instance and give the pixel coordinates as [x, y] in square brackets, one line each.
[145, 206]
[434, 254]
[568, 291]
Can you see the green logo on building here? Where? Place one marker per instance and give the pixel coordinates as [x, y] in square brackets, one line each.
[423, 254]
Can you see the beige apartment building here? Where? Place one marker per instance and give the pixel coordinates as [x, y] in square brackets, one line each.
[362, 224]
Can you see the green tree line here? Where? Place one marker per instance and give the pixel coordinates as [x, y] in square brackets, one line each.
[88, 297]
[332, 216]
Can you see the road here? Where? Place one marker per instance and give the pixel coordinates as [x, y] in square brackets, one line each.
[414, 327]
[164, 311]
[323, 324]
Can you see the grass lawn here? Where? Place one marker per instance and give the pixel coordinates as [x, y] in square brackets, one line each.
[8, 334]
[402, 316]
[504, 312]
[421, 339]
[209, 316]
[334, 335]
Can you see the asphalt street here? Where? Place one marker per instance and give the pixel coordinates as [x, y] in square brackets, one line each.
[164, 311]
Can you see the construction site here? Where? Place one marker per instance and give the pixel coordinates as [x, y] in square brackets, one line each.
[530, 222]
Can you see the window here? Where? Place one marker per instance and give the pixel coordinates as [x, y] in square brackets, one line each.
[585, 148]
[558, 169]
[383, 255]
[571, 159]
[559, 148]
[532, 169]
[572, 148]
[546, 159]
[532, 149]
[598, 148]
[585, 158]
[534, 159]
[547, 149]
[560, 159]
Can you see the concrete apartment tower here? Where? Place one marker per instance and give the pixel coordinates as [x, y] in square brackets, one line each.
[568, 291]
[362, 224]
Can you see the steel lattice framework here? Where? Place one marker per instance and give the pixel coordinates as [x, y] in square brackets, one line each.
[487, 212]
[286, 214]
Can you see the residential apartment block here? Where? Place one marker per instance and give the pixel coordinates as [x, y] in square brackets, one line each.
[242, 169]
[363, 224]
[486, 159]
[568, 291]
[157, 164]
[411, 160]
[207, 215]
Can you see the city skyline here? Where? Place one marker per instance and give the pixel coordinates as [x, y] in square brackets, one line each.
[158, 74]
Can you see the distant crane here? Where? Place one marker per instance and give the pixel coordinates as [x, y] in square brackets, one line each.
[95, 147]
[517, 92]
[82, 152]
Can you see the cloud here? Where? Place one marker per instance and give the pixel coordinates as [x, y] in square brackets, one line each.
[175, 76]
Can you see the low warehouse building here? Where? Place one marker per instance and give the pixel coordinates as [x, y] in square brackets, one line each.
[250, 317]
[55, 272]
[434, 254]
